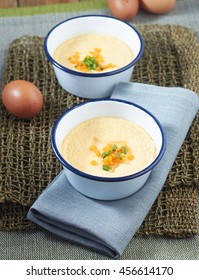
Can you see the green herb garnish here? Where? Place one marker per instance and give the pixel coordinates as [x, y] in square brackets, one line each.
[124, 150]
[105, 154]
[118, 155]
[106, 168]
[114, 147]
[90, 62]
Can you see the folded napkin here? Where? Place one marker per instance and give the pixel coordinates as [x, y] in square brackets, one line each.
[108, 226]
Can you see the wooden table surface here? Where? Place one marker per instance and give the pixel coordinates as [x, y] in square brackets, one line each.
[23, 3]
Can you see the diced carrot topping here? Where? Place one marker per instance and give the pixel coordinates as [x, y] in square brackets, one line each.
[95, 150]
[93, 162]
[131, 157]
[119, 149]
[107, 147]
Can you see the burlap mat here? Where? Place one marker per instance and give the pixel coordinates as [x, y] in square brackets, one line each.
[27, 162]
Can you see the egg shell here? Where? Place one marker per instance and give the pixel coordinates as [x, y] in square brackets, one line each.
[157, 6]
[22, 99]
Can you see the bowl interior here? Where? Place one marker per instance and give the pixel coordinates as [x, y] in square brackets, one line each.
[109, 107]
[93, 24]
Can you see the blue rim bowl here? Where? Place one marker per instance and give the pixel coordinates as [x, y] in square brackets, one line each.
[65, 69]
[107, 179]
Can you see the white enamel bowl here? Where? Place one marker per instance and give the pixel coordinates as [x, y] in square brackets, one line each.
[104, 188]
[92, 85]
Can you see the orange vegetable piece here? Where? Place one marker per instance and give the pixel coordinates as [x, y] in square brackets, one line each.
[93, 162]
[95, 150]
[131, 157]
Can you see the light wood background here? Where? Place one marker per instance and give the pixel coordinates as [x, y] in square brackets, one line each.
[23, 3]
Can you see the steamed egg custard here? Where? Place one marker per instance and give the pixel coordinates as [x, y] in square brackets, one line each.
[108, 147]
[93, 53]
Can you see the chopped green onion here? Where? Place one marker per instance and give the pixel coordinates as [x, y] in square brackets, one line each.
[114, 147]
[124, 151]
[105, 154]
[118, 155]
[106, 168]
[90, 62]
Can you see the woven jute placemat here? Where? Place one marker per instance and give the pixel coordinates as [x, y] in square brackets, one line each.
[28, 164]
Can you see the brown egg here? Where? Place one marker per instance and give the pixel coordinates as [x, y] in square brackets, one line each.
[158, 6]
[22, 99]
[123, 9]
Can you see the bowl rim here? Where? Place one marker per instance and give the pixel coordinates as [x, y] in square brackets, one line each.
[99, 178]
[94, 75]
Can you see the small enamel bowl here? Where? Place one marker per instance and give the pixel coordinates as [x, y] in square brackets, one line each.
[93, 85]
[106, 188]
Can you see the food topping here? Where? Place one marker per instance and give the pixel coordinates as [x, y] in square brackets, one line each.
[93, 61]
[112, 156]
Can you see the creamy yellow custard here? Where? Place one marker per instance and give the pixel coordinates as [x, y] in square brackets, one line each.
[93, 53]
[108, 147]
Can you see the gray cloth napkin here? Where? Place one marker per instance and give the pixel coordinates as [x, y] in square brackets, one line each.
[108, 226]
